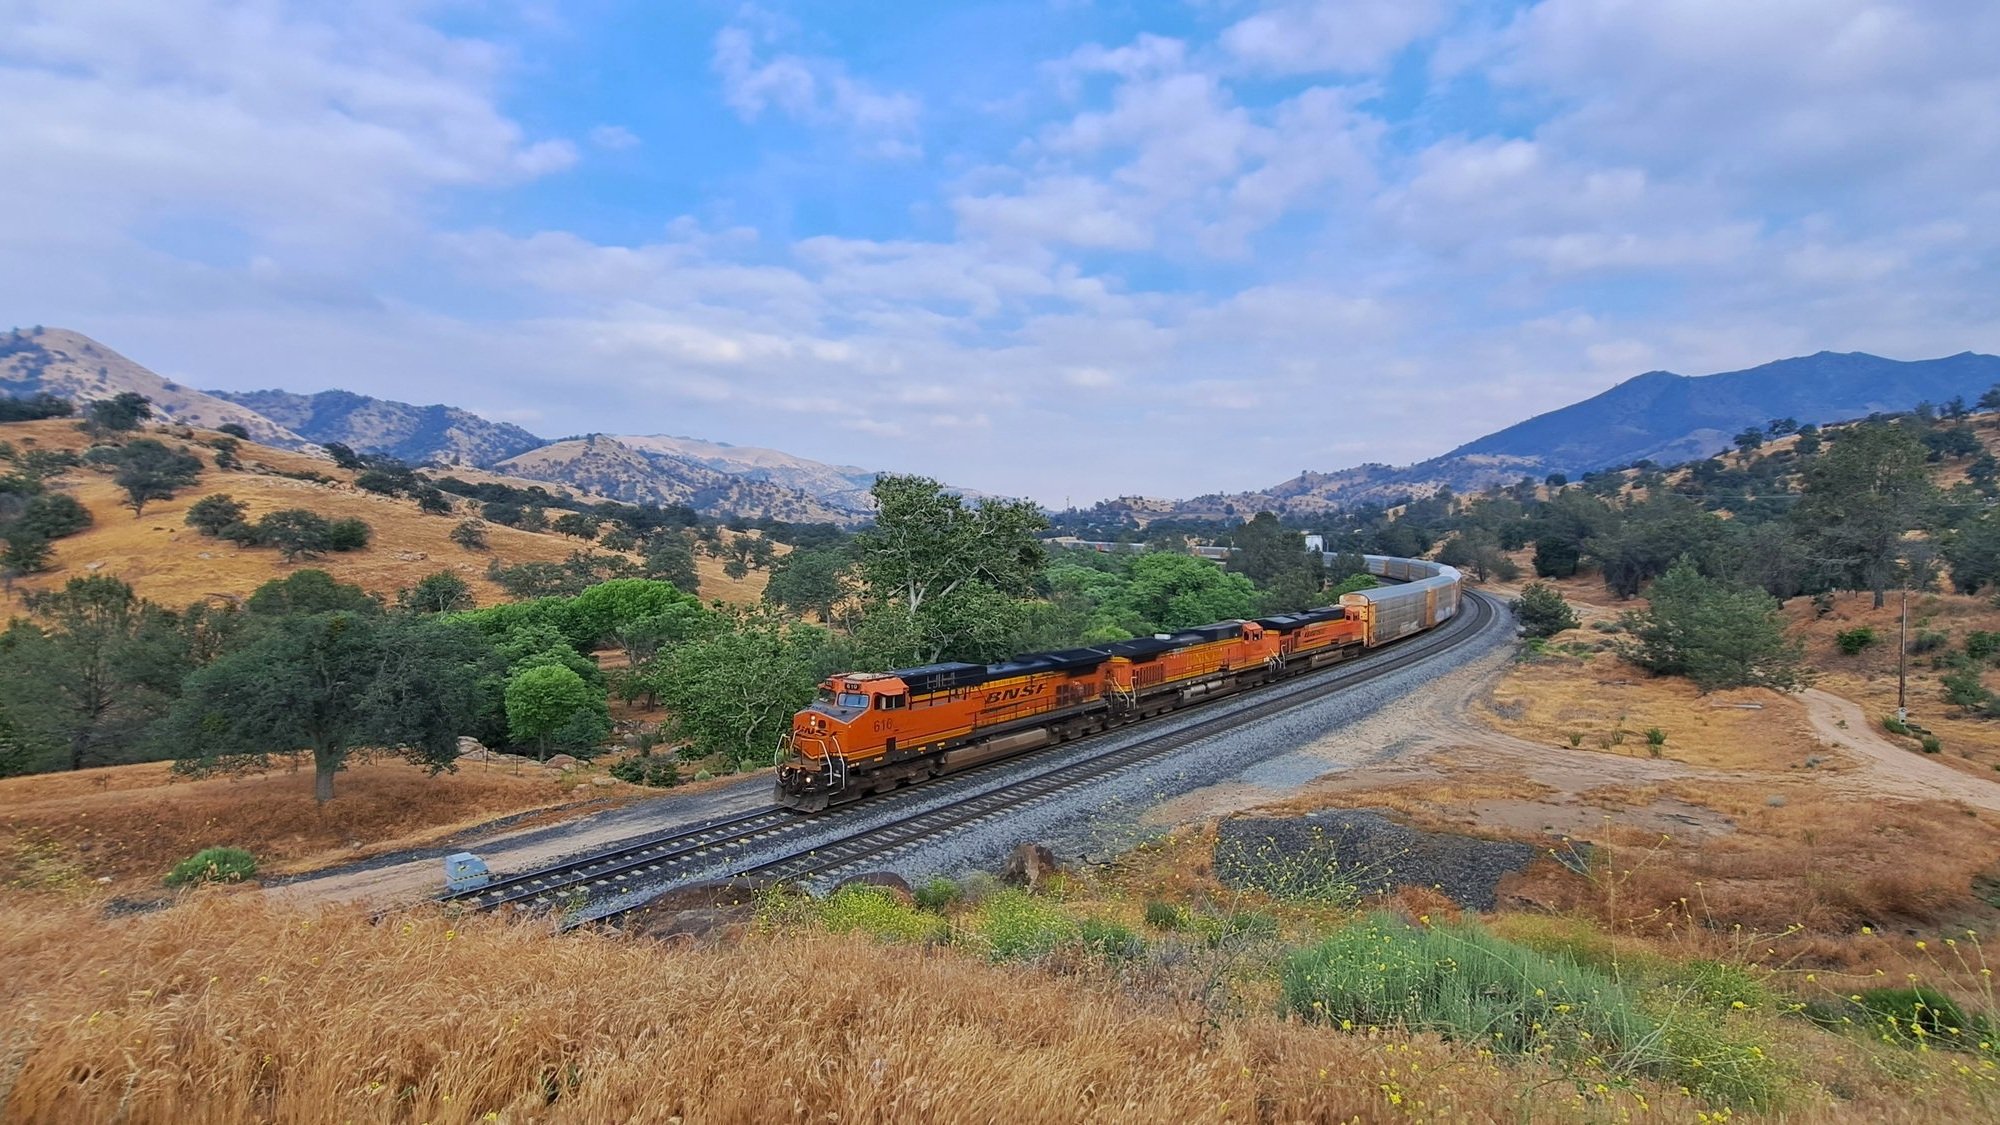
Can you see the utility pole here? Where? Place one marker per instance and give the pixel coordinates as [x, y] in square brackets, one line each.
[1903, 656]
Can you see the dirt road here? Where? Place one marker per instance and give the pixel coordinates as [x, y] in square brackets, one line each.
[1890, 769]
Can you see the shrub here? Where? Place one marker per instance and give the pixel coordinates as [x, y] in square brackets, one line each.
[1914, 1015]
[1015, 925]
[470, 534]
[1110, 939]
[1655, 736]
[1852, 641]
[878, 913]
[351, 534]
[234, 429]
[1722, 986]
[657, 772]
[1963, 690]
[1542, 611]
[1163, 915]
[213, 865]
[375, 480]
[53, 515]
[1894, 725]
[1462, 983]
[1981, 644]
[938, 893]
[1928, 640]
[1931, 744]
[34, 408]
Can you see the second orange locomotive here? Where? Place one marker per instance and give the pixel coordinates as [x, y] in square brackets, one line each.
[868, 732]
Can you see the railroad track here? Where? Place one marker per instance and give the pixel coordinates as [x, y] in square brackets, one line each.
[888, 841]
[653, 861]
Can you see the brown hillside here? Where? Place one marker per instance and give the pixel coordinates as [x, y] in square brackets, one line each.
[74, 366]
[169, 562]
[608, 467]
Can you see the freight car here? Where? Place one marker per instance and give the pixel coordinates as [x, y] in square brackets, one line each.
[869, 732]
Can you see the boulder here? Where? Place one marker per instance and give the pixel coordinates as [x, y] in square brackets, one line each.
[743, 890]
[888, 880]
[715, 911]
[472, 750]
[560, 762]
[1030, 866]
[705, 925]
[1340, 853]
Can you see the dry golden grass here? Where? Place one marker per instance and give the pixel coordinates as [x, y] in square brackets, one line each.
[132, 823]
[1595, 701]
[170, 563]
[224, 1009]
[1797, 857]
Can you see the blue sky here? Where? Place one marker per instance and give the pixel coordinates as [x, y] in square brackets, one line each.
[1063, 248]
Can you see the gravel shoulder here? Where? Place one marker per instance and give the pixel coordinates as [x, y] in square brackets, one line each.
[1097, 820]
[411, 876]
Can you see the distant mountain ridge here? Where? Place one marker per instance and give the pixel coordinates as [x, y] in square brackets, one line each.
[417, 434]
[714, 478]
[1657, 416]
[608, 466]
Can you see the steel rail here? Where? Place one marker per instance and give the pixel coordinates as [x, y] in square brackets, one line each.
[882, 840]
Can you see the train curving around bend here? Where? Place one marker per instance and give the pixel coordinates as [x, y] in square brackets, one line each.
[869, 732]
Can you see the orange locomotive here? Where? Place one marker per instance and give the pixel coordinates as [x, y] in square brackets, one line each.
[869, 732]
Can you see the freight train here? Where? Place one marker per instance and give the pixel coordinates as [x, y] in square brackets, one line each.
[868, 732]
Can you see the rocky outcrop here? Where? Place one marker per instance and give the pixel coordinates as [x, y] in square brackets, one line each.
[1030, 866]
[1342, 853]
[712, 912]
[886, 880]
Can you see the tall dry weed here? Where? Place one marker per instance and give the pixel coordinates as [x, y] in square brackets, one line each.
[224, 1009]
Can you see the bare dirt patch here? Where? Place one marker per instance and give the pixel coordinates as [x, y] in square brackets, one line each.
[130, 824]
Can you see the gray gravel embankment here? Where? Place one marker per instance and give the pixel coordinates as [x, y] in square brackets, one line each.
[1092, 822]
[1103, 819]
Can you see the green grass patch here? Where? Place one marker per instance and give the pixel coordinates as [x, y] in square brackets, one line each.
[938, 893]
[1464, 983]
[1013, 925]
[878, 913]
[213, 865]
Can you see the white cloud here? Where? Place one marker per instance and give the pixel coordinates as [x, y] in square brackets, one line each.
[810, 89]
[1314, 36]
[297, 126]
[613, 138]
[1159, 235]
[1070, 210]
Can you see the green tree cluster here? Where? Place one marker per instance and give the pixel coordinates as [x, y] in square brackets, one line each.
[1718, 634]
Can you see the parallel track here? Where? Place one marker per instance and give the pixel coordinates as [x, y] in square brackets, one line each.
[651, 861]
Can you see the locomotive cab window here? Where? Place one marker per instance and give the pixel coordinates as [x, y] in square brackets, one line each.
[852, 699]
[890, 702]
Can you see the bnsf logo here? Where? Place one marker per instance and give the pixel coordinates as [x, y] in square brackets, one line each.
[1006, 695]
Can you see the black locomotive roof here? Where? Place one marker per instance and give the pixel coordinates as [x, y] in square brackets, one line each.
[1142, 648]
[1018, 666]
[1070, 659]
[941, 677]
[1220, 631]
[1287, 622]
